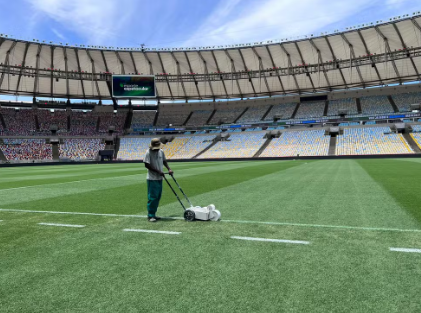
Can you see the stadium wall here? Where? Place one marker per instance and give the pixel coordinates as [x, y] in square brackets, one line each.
[339, 157]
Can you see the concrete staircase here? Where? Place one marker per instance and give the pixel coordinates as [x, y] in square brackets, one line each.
[295, 110]
[216, 140]
[210, 117]
[332, 146]
[358, 102]
[267, 112]
[56, 151]
[262, 148]
[326, 108]
[187, 119]
[235, 121]
[411, 142]
[393, 104]
[156, 118]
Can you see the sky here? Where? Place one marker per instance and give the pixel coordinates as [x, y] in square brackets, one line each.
[187, 23]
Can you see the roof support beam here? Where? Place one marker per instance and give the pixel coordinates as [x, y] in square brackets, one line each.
[80, 73]
[179, 73]
[290, 67]
[191, 71]
[6, 61]
[123, 71]
[93, 74]
[275, 68]
[351, 49]
[233, 73]
[207, 73]
[23, 65]
[335, 58]
[134, 63]
[166, 77]
[405, 46]
[260, 69]
[305, 66]
[386, 42]
[52, 72]
[105, 61]
[36, 70]
[416, 24]
[219, 71]
[151, 71]
[66, 68]
[322, 63]
[248, 74]
[369, 55]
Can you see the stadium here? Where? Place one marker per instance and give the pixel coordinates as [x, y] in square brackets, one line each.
[309, 147]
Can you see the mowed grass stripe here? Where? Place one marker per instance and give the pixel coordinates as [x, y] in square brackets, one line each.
[128, 195]
[20, 179]
[402, 184]
[327, 192]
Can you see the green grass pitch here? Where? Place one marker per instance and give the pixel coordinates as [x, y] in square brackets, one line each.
[350, 211]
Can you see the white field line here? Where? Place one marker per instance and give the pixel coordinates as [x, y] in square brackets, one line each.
[62, 225]
[226, 221]
[70, 182]
[405, 250]
[152, 231]
[272, 240]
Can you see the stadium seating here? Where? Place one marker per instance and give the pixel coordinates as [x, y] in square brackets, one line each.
[303, 143]
[107, 119]
[171, 148]
[241, 145]
[370, 123]
[81, 149]
[375, 105]
[143, 119]
[371, 140]
[83, 124]
[26, 149]
[199, 118]
[171, 118]
[416, 128]
[285, 110]
[310, 109]
[417, 137]
[133, 148]
[19, 122]
[348, 104]
[193, 146]
[226, 116]
[253, 114]
[46, 119]
[404, 100]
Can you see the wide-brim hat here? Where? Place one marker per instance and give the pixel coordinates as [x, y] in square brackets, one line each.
[156, 144]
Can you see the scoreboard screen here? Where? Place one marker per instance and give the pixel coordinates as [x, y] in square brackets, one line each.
[134, 86]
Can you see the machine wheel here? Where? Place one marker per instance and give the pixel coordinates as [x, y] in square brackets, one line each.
[189, 215]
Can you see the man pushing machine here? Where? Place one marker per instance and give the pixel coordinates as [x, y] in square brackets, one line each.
[154, 161]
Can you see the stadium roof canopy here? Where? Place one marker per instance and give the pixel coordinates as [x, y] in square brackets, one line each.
[380, 54]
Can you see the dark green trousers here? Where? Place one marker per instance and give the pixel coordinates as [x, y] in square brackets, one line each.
[154, 195]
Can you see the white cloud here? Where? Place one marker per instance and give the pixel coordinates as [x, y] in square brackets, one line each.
[240, 22]
[94, 20]
[58, 34]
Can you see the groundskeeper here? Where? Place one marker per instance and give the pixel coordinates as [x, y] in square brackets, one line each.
[154, 161]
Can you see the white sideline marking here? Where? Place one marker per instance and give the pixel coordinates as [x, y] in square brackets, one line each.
[226, 221]
[153, 231]
[405, 250]
[70, 182]
[62, 225]
[272, 240]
